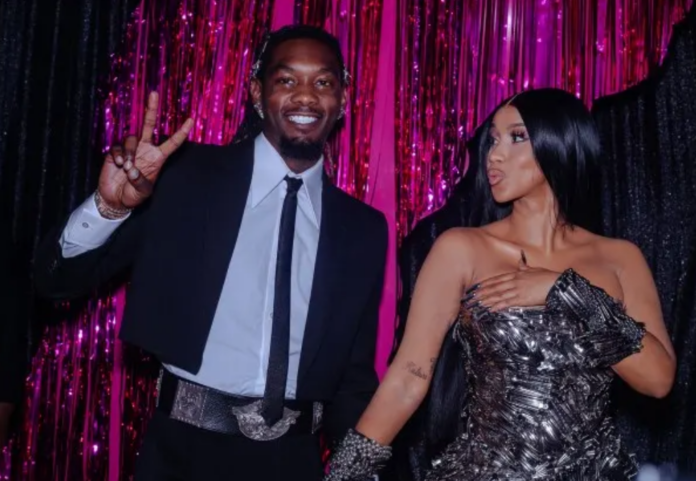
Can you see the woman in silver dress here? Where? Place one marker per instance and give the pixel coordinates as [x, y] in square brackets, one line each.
[551, 313]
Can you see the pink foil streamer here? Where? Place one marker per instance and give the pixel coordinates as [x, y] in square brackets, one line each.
[283, 13]
[381, 191]
[456, 59]
[117, 385]
[66, 430]
[357, 25]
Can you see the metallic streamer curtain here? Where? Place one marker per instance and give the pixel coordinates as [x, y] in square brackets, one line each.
[357, 25]
[197, 54]
[460, 58]
[89, 397]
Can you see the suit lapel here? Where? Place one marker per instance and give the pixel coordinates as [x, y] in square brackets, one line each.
[327, 274]
[229, 182]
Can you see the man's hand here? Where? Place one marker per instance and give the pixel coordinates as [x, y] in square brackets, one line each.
[130, 171]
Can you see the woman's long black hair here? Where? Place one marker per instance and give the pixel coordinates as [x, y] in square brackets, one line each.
[566, 145]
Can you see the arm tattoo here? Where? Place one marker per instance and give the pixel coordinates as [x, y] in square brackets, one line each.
[416, 370]
[433, 363]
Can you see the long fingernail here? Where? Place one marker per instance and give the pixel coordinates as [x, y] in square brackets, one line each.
[128, 165]
[133, 174]
[119, 160]
[468, 297]
[472, 288]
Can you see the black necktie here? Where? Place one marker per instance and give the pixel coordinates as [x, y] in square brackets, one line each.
[277, 372]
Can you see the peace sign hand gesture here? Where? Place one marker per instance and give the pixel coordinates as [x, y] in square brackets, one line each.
[130, 171]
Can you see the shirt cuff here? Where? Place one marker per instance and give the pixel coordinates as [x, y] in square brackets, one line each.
[87, 230]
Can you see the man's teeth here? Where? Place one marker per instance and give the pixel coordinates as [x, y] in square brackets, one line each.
[302, 119]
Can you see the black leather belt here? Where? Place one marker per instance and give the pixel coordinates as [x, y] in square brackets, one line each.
[221, 412]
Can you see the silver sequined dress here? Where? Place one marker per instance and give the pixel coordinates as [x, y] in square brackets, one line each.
[538, 390]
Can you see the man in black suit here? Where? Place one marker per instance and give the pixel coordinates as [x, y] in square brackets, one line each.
[255, 281]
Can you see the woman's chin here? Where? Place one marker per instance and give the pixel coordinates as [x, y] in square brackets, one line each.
[502, 199]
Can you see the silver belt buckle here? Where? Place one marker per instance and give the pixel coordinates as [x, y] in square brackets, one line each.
[190, 399]
[252, 425]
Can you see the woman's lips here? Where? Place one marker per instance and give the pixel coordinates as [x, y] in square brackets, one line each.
[495, 176]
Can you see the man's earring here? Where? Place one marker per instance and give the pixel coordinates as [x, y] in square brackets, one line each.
[341, 113]
[259, 110]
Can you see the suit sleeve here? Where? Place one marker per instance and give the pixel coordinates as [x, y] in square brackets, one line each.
[360, 380]
[59, 277]
[72, 262]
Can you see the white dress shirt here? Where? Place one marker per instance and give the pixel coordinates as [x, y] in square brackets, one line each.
[236, 354]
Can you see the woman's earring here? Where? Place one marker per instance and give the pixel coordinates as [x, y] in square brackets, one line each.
[259, 110]
[341, 113]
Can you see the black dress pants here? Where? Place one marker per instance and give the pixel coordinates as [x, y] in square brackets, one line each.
[175, 451]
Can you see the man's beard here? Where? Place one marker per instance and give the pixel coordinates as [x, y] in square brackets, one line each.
[300, 149]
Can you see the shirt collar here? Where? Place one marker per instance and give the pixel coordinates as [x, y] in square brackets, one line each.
[270, 169]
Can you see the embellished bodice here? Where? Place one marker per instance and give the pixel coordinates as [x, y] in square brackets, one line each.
[535, 410]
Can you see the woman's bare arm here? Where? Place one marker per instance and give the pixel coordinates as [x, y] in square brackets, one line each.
[651, 371]
[435, 305]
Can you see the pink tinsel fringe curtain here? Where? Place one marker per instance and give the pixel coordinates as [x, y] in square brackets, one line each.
[432, 68]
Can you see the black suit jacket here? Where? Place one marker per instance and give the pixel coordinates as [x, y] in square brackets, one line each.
[180, 245]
